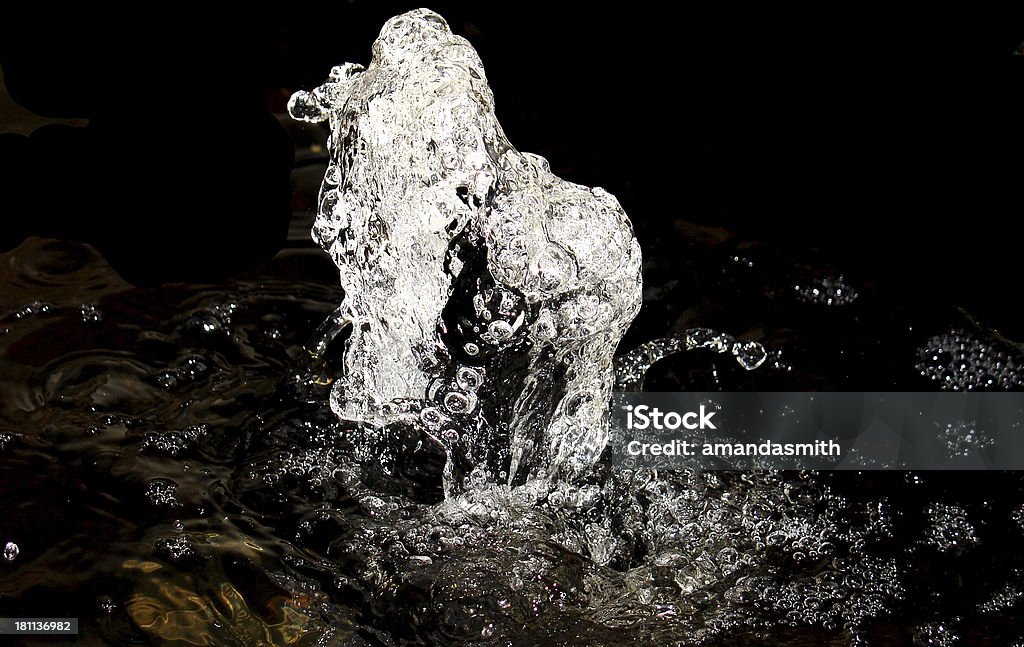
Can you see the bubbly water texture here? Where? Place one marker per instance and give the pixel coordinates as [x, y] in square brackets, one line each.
[170, 485]
[961, 361]
[486, 296]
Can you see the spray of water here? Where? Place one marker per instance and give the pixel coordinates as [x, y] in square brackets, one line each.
[486, 295]
[485, 299]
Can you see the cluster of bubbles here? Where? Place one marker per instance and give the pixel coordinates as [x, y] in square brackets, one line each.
[935, 634]
[189, 370]
[28, 310]
[1018, 516]
[90, 313]
[1006, 597]
[162, 492]
[826, 290]
[964, 439]
[949, 528]
[172, 442]
[964, 361]
[176, 549]
[318, 467]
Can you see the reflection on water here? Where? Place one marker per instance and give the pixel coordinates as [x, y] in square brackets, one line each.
[169, 477]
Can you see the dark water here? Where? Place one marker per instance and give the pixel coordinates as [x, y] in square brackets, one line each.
[169, 474]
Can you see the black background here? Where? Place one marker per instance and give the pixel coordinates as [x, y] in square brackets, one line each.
[891, 143]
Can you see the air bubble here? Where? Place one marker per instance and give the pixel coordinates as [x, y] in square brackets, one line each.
[749, 354]
[432, 418]
[468, 379]
[500, 330]
[459, 403]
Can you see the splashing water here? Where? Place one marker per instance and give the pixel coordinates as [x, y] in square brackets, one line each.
[631, 368]
[169, 487]
[486, 296]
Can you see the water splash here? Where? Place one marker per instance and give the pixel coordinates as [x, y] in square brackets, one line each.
[632, 368]
[486, 295]
[266, 524]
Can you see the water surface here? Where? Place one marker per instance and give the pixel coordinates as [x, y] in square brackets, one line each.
[170, 474]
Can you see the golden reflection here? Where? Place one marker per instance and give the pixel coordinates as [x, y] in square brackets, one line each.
[205, 608]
